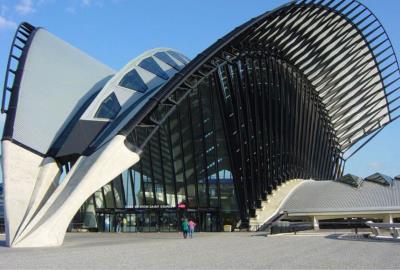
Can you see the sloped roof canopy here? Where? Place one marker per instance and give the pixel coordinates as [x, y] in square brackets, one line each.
[380, 179]
[59, 99]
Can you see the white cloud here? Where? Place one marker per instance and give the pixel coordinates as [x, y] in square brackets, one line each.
[7, 24]
[44, 2]
[92, 3]
[86, 2]
[375, 165]
[25, 7]
[3, 10]
[70, 10]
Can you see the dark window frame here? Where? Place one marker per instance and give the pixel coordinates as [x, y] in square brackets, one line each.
[104, 109]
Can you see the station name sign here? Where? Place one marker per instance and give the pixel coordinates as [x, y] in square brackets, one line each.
[153, 206]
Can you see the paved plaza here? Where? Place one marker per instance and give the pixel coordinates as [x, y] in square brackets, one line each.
[206, 251]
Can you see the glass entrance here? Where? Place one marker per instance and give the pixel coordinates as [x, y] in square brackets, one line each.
[139, 221]
[207, 221]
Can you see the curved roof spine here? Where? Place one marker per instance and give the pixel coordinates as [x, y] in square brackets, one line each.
[339, 45]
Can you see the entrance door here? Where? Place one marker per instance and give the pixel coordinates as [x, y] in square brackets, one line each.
[153, 221]
[208, 221]
[105, 222]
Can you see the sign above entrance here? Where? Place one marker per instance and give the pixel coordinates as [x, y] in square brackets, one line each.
[181, 205]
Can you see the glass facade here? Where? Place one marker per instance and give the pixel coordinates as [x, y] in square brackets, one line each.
[186, 161]
[220, 145]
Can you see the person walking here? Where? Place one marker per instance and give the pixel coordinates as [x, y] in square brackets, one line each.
[192, 225]
[185, 227]
[118, 227]
[124, 223]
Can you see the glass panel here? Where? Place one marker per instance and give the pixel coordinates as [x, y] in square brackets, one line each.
[98, 199]
[188, 153]
[127, 183]
[140, 222]
[153, 222]
[118, 192]
[228, 199]
[132, 80]
[137, 183]
[131, 223]
[197, 127]
[213, 190]
[179, 56]
[151, 65]
[109, 108]
[177, 156]
[163, 56]
[168, 166]
[147, 175]
[108, 194]
[157, 170]
[146, 222]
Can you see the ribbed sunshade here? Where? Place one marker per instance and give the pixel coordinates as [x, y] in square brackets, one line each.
[339, 45]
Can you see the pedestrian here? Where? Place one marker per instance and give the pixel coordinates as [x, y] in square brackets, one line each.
[185, 227]
[192, 225]
[124, 223]
[118, 227]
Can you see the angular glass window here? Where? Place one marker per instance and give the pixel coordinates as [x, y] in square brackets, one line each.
[380, 179]
[132, 80]
[351, 180]
[179, 56]
[109, 108]
[151, 65]
[163, 56]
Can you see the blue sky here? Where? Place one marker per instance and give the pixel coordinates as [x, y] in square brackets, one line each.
[115, 31]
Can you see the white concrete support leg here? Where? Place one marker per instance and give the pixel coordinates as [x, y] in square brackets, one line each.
[388, 218]
[49, 225]
[20, 170]
[315, 223]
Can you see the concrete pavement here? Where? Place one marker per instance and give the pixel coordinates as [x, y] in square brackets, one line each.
[206, 251]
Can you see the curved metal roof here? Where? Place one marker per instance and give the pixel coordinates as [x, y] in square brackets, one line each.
[339, 45]
[333, 196]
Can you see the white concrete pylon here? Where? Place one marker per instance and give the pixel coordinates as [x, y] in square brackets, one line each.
[47, 226]
[315, 223]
